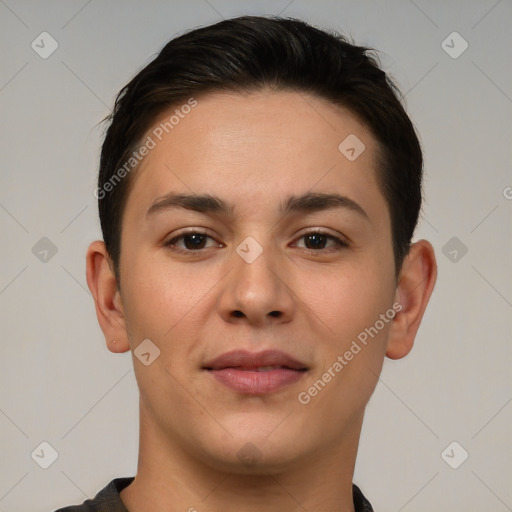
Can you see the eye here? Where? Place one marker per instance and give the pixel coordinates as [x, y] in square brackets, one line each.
[317, 240]
[196, 241]
[191, 241]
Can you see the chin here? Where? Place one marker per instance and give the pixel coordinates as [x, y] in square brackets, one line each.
[252, 459]
[256, 452]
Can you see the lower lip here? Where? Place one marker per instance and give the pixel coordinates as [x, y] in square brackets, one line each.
[252, 382]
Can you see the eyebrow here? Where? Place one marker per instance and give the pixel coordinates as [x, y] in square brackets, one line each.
[309, 202]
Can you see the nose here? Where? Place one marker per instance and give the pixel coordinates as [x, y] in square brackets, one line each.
[258, 292]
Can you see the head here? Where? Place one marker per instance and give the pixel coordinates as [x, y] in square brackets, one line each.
[264, 121]
[250, 54]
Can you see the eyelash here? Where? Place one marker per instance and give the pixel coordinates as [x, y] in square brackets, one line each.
[340, 244]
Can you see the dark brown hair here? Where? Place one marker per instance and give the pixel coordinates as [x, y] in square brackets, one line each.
[248, 54]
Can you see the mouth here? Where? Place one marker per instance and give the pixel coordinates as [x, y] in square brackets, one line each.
[256, 373]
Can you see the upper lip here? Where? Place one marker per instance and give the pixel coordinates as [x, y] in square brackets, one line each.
[248, 360]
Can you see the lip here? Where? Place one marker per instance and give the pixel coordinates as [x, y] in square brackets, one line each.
[256, 373]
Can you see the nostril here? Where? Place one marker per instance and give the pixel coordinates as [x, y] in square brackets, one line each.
[239, 314]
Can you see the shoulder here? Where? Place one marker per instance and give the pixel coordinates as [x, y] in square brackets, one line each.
[106, 500]
[361, 504]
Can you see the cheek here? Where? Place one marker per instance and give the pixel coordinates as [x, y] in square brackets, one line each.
[351, 353]
[345, 301]
[160, 300]
[360, 303]
[158, 296]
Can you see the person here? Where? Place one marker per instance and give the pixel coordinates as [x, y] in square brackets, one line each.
[259, 187]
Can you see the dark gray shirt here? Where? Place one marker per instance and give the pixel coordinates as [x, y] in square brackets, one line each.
[108, 499]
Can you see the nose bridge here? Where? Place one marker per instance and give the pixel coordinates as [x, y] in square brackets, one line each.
[255, 290]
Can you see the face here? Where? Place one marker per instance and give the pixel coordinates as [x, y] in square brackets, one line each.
[262, 290]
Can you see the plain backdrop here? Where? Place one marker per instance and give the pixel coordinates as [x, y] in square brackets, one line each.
[58, 382]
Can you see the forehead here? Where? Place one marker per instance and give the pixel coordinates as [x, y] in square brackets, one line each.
[255, 148]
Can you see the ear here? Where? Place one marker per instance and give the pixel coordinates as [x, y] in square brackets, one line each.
[415, 285]
[107, 299]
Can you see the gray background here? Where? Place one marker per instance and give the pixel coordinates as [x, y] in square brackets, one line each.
[60, 384]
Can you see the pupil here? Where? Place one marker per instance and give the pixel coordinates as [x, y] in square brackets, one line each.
[197, 241]
[316, 239]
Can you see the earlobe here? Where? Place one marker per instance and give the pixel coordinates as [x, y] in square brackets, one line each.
[109, 308]
[415, 286]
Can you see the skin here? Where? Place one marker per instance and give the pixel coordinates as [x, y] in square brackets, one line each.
[310, 301]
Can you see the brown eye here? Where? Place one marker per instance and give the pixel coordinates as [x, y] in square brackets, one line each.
[192, 241]
[318, 240]
[315, 241]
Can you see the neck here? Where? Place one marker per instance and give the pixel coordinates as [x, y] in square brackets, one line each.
[171, 480]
